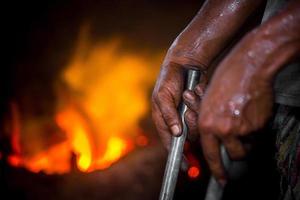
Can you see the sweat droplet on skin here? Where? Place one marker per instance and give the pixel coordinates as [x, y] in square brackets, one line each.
[237, 104]
[231, 8]
[236, 112]
[250, 54]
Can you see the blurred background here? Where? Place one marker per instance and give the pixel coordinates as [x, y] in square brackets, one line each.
[76, 83]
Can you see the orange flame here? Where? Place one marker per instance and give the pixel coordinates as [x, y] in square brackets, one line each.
[102, 94]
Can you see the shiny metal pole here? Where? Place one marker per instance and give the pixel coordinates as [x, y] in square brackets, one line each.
[214, 190]
[176, 150]
[234, 170]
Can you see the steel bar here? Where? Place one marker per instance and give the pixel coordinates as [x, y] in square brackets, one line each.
[176, 150]
[214, 189]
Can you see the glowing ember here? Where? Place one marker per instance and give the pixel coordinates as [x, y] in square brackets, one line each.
[102, 94]
[193, 172]
[142, 140]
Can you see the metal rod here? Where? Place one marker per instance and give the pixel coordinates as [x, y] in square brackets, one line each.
[176, 150]
[214, 189]
[234, 169]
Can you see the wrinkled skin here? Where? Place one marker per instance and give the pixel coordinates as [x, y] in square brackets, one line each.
[199, 43]
[244, 103]
[239, 98]
[242, 89]
[165, 100]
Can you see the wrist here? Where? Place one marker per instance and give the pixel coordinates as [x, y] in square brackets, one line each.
[278, 40]
[184, 58]
[181, 54]
[270, 50]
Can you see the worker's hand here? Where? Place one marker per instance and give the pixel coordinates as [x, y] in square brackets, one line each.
[197, 45]
[166, 97]
[239, 98]
[165, 100]
[193, 99]
[238, 102]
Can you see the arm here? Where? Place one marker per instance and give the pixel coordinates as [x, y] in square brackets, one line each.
[279, 40]
[202, 40]
[209, 32]
[240, 96]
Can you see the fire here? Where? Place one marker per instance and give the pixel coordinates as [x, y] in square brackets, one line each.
[75, 128]
[102, 95]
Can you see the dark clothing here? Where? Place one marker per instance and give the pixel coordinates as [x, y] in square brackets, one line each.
[286, 123]
[287, 128]
[287, 85]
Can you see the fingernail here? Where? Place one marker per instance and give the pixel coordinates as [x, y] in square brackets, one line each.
[199, 91]
[189, 96]
[175, 130]
[222, 182]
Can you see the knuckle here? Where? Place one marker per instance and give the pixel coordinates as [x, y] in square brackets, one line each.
[224, 128]
[191, 116]
[160, 96]
[205, 124]
[169, 118]
[223, 131]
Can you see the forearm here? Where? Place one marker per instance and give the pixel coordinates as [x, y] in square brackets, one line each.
[210, 30]
[278, 41]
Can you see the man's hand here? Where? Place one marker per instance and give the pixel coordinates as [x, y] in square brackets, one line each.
[199, 43]
[165, 100]
[238, 102]
[239, 98]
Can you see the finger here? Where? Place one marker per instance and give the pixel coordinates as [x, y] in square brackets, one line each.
[199, 89]
[211, 151]
[191, 121]
[211, 146]
[191, 100]
[235, 148]
[162, 128]
[169, 112]
[204, 78]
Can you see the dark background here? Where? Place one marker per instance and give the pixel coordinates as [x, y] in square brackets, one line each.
[39, 38]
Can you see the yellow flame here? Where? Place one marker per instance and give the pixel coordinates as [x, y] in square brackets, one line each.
[102, 94]
[112, 87]
[115, 149]
[75, 128]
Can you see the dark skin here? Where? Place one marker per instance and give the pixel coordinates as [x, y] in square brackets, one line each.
[241, 87]
[194, 46]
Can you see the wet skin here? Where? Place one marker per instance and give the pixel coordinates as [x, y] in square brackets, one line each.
[194, 46]
[239, 98]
